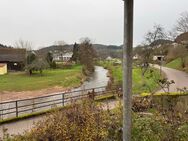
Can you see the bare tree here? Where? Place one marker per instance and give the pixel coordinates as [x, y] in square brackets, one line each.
[182, 23]
[23, 44]
[172, 34]
[156, 33]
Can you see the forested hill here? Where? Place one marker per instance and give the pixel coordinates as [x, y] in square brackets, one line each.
[103, 51]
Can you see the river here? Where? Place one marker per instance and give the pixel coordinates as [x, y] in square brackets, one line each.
[97, 79]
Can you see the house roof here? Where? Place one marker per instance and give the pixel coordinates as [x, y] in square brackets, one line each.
[12, 55]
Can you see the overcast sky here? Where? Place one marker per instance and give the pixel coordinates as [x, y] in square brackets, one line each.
[44, 21]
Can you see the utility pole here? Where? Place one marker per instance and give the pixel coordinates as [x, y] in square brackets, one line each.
[127, 68]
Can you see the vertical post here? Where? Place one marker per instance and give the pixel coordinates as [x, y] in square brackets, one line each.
[16, 108]
[93, 94]
[127, 68]
[63, 102]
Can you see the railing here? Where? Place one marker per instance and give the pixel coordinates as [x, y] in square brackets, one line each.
[18, 108]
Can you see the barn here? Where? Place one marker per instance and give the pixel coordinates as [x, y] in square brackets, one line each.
[14, 58]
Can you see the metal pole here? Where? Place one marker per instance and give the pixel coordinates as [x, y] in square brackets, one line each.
[127, 68]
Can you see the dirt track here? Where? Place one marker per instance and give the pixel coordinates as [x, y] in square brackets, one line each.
[7, 96]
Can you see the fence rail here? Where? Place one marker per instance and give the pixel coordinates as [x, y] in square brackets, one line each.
[17, 108]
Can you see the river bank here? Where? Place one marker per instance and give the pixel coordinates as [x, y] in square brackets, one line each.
[97, 79]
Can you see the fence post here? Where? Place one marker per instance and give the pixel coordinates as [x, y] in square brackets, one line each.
[16, 108]
[93, 94]
[63, 97]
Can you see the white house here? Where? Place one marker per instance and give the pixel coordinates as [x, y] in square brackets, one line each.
[67, 56]
[60, 56]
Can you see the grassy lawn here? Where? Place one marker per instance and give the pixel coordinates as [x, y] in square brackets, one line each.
[140, 84]
[50, 78]
[176, 64]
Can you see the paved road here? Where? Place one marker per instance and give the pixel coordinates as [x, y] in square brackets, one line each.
[20, 126]
[180, 78]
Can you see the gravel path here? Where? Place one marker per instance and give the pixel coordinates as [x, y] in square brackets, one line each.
[180, 78]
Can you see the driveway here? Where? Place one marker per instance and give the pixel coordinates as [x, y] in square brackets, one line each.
[179, 77]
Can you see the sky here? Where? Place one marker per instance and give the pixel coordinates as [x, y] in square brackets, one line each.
[43, 22]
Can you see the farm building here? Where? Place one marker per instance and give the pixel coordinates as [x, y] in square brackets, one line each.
[14, 58]
[3, 69]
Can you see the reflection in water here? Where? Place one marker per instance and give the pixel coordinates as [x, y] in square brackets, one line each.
[98, 79]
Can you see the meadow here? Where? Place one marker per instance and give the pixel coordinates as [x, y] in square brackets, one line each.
[20, 81]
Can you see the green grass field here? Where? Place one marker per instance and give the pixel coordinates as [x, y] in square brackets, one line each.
[50, 78]
[140, 84]
[175, 64]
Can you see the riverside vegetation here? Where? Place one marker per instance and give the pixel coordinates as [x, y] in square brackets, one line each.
[141, 84]
[88, 121]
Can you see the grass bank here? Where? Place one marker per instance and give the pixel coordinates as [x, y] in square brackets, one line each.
[59, 77]
[140, 84]
[177, 64]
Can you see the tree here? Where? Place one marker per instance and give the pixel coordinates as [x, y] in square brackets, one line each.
[49, 59]
[152, 37]
[182, 23]
[87, 55]
[23, 44]
[28, 46]
[156, 33]
[37, 65]
[31, 56]
[75, 56]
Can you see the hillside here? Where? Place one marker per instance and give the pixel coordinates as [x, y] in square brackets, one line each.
[103, 51]
[177, 64]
